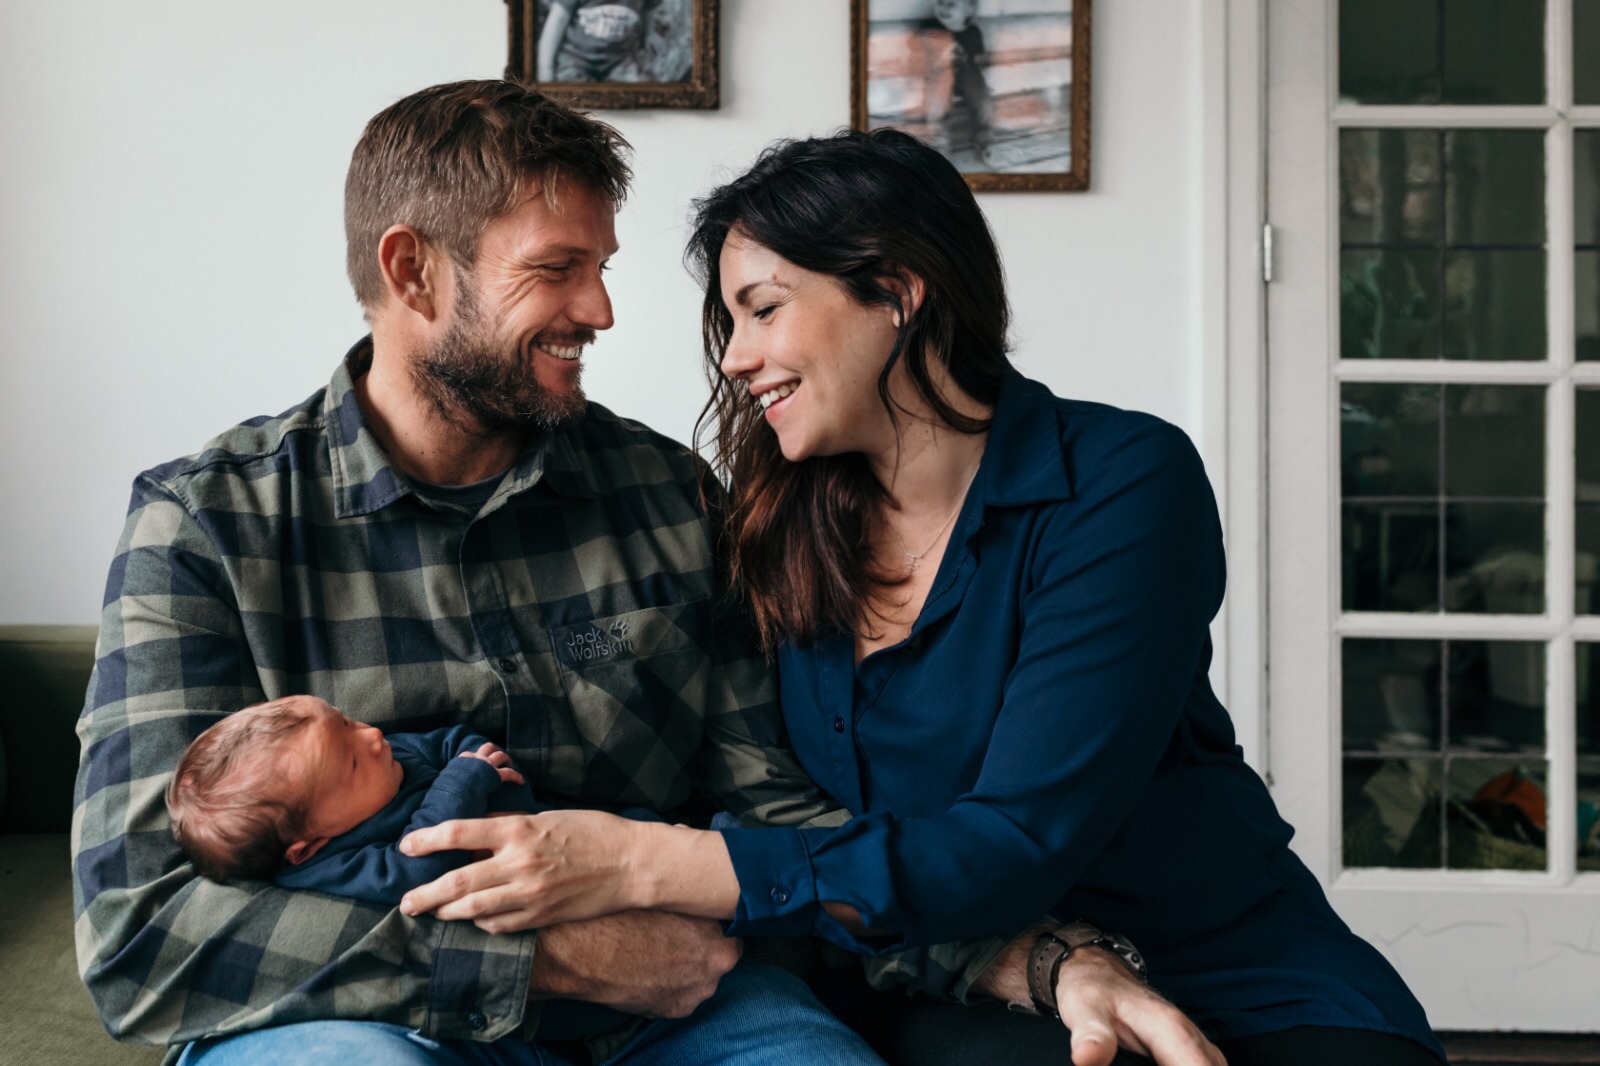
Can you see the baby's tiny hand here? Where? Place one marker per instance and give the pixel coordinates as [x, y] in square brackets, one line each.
[496, 757]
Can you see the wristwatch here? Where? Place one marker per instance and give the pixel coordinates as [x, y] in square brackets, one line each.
[1055, 947]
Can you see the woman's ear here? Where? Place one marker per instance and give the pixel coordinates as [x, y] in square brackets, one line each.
[909, 289]
[410, 268]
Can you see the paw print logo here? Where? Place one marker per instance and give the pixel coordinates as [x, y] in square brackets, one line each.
[619, 630]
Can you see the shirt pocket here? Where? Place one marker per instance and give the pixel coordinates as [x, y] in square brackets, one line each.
[636, 683]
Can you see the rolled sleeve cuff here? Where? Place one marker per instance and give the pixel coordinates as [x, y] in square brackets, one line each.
[479, 983]
[980, 957]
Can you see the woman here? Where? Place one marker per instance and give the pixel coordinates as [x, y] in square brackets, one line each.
[989, 608]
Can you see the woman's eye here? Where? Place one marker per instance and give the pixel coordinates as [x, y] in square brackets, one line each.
[765, 313]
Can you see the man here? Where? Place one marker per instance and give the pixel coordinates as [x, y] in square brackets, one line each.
[448, 533]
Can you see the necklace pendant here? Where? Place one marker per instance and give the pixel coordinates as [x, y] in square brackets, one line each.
[911, 564]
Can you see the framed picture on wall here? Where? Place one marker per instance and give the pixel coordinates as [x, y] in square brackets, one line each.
[617, 53]
[1001, 87]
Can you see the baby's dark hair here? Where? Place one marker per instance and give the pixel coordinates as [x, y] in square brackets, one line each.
[233, 810]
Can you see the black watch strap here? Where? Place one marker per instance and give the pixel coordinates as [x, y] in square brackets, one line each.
[1053, 948]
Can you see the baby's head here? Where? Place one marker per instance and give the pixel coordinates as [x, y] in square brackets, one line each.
[956, 15]
[276, 782]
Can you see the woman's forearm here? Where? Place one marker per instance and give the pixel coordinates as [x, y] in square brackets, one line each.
[689, 871]
[675, 868]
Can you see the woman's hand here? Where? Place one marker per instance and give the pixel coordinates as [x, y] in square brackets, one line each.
[535, 869]
[1104, 1006]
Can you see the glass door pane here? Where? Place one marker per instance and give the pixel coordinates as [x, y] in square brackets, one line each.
[1586, 560]
[1441, 51]
[1586, 51]
[1444, 754]
[1442, 237]
[1442, 494]
[1588, 679]
[1586, 236]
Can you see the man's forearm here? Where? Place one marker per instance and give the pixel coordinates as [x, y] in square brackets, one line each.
[1006, 978]
[641, 962]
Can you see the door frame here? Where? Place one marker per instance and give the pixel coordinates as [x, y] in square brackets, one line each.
[1233, 417]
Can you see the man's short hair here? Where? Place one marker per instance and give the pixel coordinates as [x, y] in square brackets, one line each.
[450, 159]
[234, 808]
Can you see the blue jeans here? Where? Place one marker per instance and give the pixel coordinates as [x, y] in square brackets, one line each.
[759, 1016]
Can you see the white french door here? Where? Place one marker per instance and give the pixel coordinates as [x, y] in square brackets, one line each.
[1433, 410]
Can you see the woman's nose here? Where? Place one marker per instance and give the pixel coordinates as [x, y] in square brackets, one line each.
[738, 359]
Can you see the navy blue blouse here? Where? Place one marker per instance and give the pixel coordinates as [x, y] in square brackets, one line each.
[1046, 740]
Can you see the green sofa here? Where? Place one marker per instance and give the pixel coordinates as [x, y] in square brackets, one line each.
[45, 1014]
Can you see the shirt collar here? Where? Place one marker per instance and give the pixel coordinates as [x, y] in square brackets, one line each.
[1024, 461]
[364, 479]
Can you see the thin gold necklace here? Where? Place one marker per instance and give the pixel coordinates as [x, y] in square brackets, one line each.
[914, 559]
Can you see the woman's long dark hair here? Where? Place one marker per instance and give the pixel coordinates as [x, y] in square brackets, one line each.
[865, 208]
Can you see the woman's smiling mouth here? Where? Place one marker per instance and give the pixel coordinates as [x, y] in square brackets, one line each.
[767, 397]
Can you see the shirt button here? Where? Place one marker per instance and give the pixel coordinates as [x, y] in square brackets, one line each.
[838, 724]
[477, 1022]
[780, 896]
[509, 665]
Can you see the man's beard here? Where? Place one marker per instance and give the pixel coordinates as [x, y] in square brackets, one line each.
[485, 386]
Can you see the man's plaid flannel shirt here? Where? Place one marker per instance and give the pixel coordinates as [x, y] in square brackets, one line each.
[579, 619]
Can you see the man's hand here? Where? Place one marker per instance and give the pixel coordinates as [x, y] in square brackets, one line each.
[496, 757]
[642, 962]
[536, 870]
[1104, 1006]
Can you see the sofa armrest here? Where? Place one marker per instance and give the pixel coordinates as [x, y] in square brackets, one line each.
[44, 671]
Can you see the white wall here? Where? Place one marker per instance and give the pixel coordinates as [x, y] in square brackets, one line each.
[172, 257]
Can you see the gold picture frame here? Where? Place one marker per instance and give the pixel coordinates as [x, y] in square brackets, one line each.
[622, 65]
[1000, 87]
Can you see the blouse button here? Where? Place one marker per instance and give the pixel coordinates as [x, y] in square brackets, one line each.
[780, 896]
[838, 724]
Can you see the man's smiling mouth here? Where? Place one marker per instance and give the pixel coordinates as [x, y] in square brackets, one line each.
[568, 352]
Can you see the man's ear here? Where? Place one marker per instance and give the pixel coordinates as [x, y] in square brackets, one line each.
[411, 269]
[301, 850]
[909, 288]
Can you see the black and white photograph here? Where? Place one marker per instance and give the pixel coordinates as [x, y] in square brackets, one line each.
[1000, 87]
[617, 53]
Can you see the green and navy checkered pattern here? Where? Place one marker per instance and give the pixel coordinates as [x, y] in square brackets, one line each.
[580, 619]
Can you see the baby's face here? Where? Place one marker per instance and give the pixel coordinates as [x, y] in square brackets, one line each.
[348, 766]
[956, 15]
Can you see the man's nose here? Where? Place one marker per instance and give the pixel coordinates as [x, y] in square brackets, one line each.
[592, 308]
